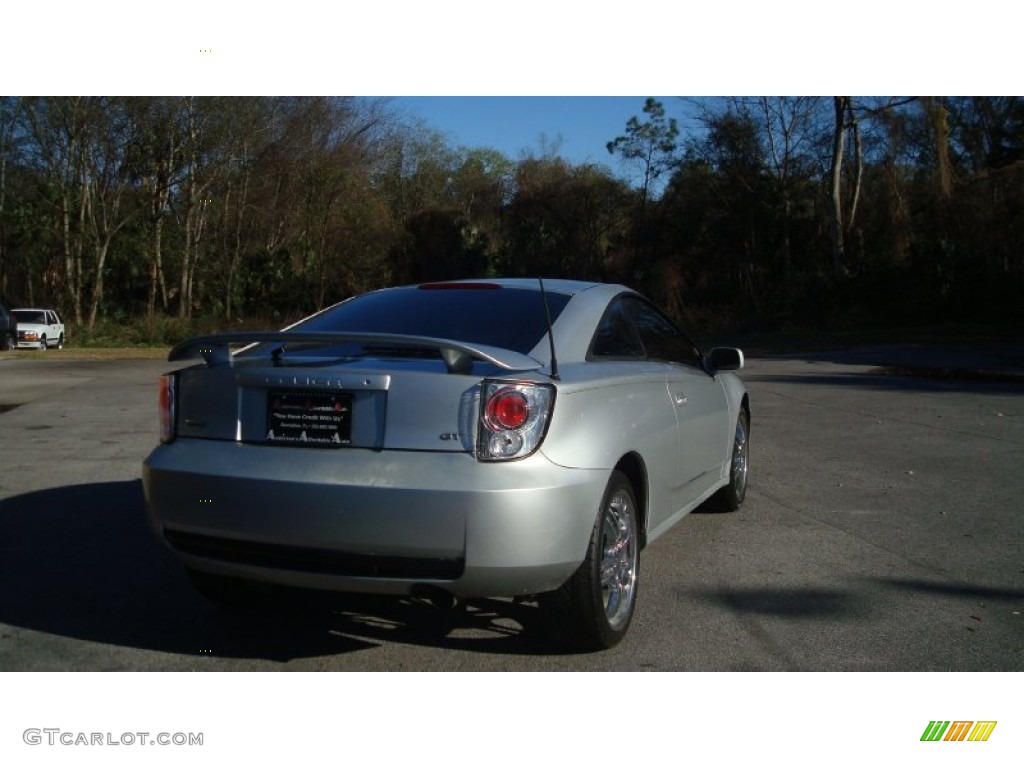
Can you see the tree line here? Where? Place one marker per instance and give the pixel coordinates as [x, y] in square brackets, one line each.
[770, 212]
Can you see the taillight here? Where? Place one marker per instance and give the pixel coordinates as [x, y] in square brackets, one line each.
[513, 419]
[167, 407]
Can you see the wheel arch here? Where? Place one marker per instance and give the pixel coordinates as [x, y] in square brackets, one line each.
[635, 470]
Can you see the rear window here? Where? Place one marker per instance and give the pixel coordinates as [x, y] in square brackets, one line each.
[509, 318]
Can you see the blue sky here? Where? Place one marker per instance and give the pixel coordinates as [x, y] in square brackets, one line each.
[514, 124]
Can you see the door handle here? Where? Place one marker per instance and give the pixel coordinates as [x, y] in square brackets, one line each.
[680, 399]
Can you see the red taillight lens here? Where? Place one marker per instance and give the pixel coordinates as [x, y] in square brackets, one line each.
[167, 408]
[513, 418]
[507, 409]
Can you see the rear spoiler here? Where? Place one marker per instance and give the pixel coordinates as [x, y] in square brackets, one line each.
[458, 356]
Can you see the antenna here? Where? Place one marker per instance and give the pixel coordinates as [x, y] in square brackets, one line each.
[551, 333]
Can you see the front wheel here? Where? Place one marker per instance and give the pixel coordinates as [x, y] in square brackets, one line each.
[42, 344]
[594, 607]
[730, 497]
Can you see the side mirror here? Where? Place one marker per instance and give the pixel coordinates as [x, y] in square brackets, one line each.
[726, 359]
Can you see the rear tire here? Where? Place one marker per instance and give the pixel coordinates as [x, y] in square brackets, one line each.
[592, 611]
[60, 342]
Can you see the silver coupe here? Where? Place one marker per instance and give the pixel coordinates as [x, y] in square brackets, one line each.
[452, 440]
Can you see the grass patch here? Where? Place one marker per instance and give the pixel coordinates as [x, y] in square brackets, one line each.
[89, 353]
[160, 332]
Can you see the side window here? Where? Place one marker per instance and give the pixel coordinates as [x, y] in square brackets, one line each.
[615, 337]
[661, 339]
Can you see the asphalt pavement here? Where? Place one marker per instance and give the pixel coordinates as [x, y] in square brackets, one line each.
[882, 530]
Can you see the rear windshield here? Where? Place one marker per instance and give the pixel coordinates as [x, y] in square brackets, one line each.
[509, 318]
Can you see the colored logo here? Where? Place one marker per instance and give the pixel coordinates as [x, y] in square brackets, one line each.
[959, 730]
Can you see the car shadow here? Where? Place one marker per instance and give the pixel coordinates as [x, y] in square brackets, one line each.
[81, 562]
[954, 589]
[791, 603]
[483, 625]
[799, 603]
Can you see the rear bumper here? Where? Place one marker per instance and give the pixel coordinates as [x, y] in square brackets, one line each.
[366, 521]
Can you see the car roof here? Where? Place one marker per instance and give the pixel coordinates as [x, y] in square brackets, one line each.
[574, 327]
[558, 285]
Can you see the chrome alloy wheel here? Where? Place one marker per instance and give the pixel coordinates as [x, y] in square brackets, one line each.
[739, 457]
[618, 559]
[592, 611]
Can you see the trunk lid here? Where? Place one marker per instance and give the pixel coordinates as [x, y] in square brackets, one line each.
[376, 404]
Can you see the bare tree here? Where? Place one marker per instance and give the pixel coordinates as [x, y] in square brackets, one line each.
[848, 155]
[159, 147]
[938, 119]
[790, 130]
[9, 108]
[106, 163]
[840, 224]
[58, 128]
[203, 164]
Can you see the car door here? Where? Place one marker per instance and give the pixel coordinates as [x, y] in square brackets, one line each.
[699, 400]
[647, 408]
[53, 331]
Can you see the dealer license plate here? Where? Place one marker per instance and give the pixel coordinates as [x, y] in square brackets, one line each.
[314, 419]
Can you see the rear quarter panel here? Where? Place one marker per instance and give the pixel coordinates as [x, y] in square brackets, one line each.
[605, 411]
